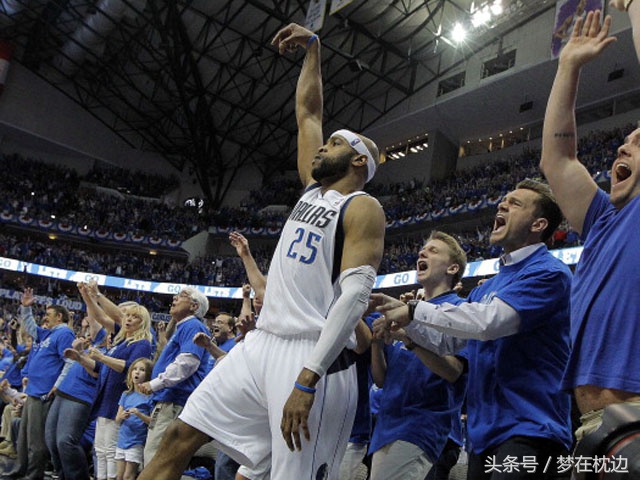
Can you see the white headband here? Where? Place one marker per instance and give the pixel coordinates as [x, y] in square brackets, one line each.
[358, 145]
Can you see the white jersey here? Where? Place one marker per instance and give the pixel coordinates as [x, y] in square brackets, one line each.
[302, 280]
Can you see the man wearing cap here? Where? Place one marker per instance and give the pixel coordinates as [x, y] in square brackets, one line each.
[287, 402]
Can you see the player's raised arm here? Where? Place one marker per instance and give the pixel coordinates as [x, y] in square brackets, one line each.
[308, 94]
[570, 181]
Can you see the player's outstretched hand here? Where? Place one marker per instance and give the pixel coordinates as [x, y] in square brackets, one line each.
[291, 37]
[294, 418]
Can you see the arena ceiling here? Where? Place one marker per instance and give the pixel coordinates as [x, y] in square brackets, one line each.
[199, 82]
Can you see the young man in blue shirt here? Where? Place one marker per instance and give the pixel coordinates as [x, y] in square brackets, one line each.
[415, 414]
[604, 367]
[516, 330]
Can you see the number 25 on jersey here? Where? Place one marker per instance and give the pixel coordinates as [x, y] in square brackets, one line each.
[304, 247]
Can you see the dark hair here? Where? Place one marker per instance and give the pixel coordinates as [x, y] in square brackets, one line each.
[232, 320]
[546, 204]
[62, 311]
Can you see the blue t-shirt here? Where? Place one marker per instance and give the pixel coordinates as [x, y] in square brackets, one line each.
[14, 376]
[227, 345]
[32, 353]
[457, 395]
[375, 398]
[182, 342]
[133, 431]
[78, 383]
[111, 383]
[415, 405]
[605, 330]
[6, 360]
[514, 381]
[47, 360]
[154, 340]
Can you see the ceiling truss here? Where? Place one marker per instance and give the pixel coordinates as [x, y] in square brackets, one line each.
[199, 82]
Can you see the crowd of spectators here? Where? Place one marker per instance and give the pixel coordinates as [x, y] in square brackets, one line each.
[213, 270]
[54, 193]
[64, 291]
[597, 150]
[137, 183]
[400, 255]
[278, 191]
[27, 175]
[41, 190]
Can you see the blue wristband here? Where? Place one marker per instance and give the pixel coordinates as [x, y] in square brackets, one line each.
[303, 388]
[312, 39]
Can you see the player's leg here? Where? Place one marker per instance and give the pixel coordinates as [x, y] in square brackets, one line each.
[262, 471]
[330, 420]
[178, 445]
[229, 404]
[341, 399]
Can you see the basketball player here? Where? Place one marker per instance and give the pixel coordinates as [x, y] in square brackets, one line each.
[289, 393]
[604, 367]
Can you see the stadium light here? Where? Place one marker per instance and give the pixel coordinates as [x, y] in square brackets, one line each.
[485, 13]
[411, 146]
[459, 33]
[481, 16]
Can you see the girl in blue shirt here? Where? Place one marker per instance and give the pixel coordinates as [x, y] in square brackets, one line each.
[133, 417]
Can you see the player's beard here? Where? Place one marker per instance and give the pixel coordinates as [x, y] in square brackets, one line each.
[335, 168]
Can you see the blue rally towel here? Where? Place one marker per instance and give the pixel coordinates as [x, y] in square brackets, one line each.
[200, 473]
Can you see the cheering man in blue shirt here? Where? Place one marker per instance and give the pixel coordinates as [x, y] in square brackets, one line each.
[516, 327]
[180, 367]
[50, 368]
